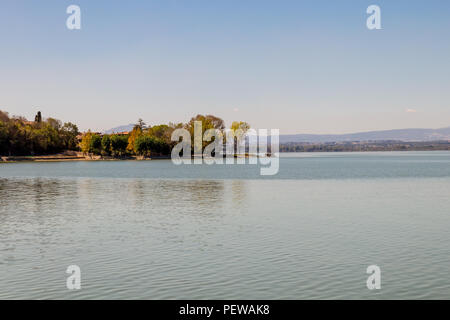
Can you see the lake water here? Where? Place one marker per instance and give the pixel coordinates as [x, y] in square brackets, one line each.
[152, 230]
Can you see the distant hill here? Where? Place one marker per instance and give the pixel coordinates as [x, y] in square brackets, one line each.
[127, 127]
[398, 135]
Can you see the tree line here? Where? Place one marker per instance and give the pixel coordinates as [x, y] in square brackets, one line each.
[149, 141]
[142, 141]
[19, 137]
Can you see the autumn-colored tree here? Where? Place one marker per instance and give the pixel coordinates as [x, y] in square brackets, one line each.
[85, 144]
[239, 129]
[134, 134]
[236, 125]
[208, 122]
[21, 137]
[4, 117]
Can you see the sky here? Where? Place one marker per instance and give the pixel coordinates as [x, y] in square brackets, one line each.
[298, 66]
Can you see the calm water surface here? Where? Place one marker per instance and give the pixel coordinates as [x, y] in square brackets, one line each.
[152, 230]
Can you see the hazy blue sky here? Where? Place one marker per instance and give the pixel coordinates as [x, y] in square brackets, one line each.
[301, 66]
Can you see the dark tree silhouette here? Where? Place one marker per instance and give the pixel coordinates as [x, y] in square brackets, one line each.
[38, 117]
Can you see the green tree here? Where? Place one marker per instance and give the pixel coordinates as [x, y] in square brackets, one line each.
[106, 144]
[54, 123]
[141, 124]
[119, 145]
[144, 145]
[96, 144]
[4, 138]
[147, 145]
[21, 137]
[69, 133]
[53, 136]
[159, 131]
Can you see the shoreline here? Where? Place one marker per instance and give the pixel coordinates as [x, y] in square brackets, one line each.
[60, 158]
[80, 157]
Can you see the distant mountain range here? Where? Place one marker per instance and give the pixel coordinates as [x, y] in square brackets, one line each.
[124, 128]
[397, 135]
